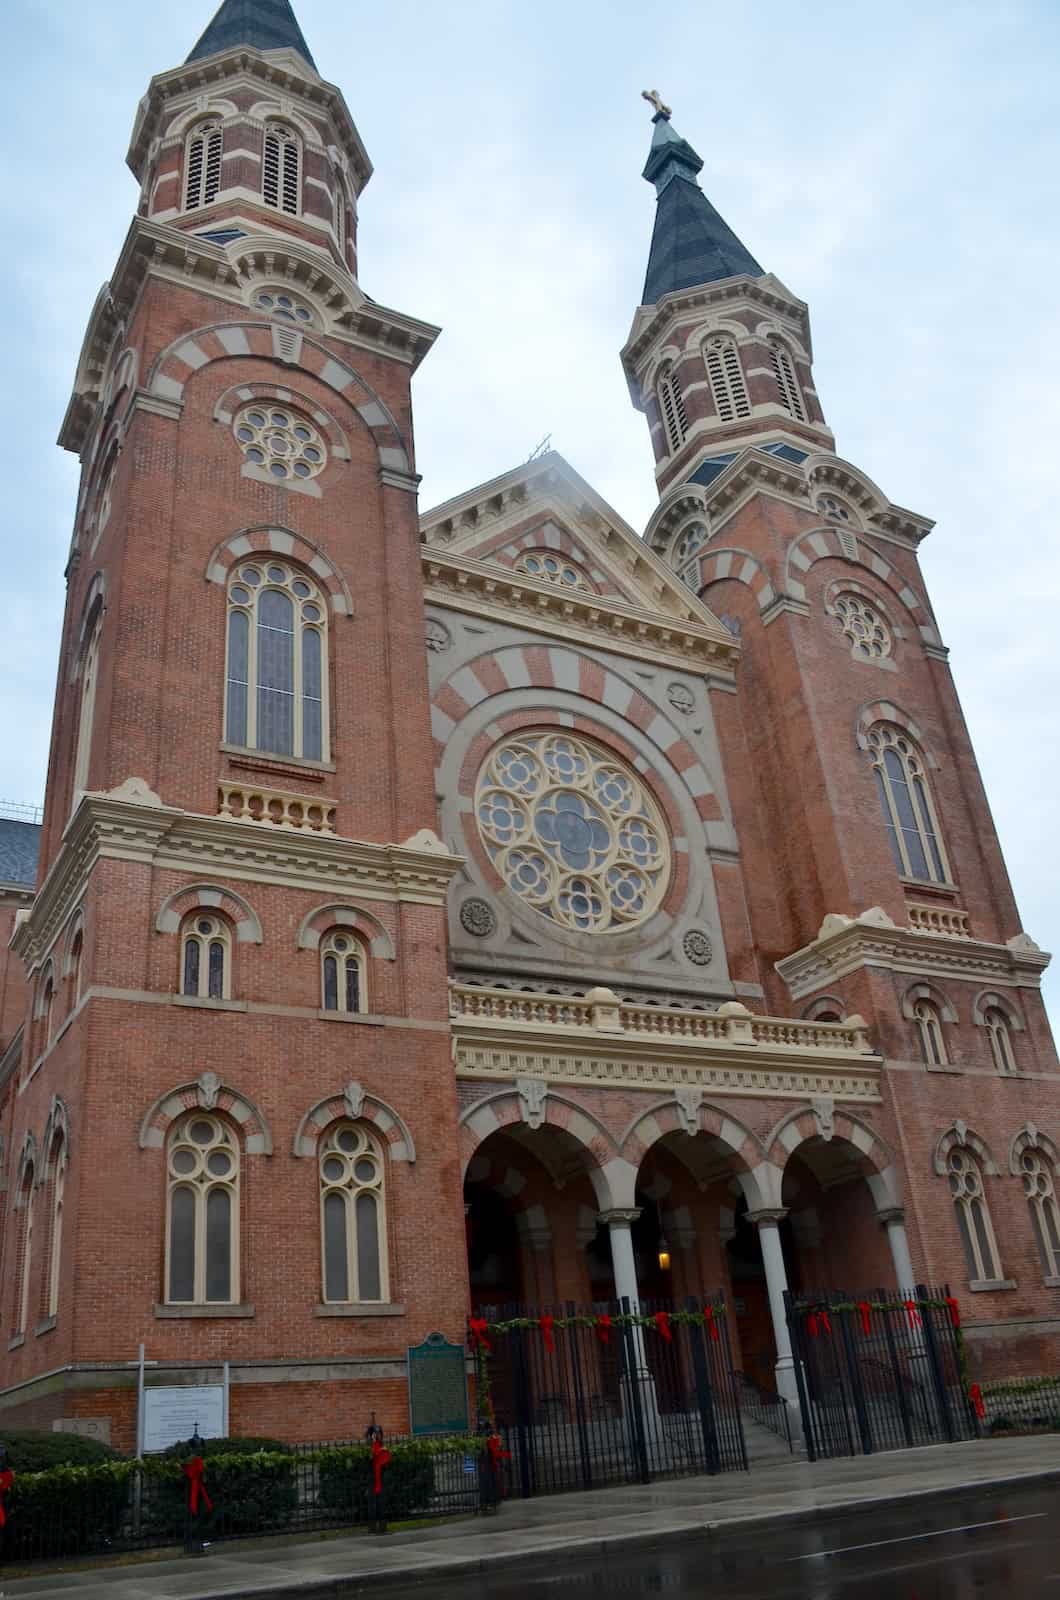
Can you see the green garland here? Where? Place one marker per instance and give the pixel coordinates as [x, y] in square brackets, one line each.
[621, 1319]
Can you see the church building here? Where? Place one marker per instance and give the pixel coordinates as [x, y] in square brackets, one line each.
[494, 903]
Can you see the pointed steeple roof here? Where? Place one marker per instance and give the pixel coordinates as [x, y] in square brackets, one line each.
[691, 243]
[264, 24]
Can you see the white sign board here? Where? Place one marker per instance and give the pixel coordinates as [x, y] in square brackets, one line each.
[171, 1414]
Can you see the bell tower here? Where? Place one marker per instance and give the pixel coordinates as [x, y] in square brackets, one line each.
[236, 1086]
[854, 784]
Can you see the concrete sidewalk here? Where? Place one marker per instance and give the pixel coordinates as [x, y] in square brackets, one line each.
[554, 1527]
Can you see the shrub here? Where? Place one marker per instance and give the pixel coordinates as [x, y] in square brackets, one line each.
[346, 1484]
[67, 1510]
[251, 1483]
[29, 1451]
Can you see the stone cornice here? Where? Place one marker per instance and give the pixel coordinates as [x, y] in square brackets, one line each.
[651, 323]
[117, 828]
[227, 271]
[484, 588]
[274, 72]
[846, 944]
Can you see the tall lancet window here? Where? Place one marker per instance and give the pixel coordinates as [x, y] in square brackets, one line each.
[281, 169]
[726, 380]
[276, 691]
[672, 408]
[787, 383]
[202, 166]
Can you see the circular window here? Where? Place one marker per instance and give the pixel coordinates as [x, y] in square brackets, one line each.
[552, 569]
[573, 832]
[835, 509]
[691, 541]
[280, 442]
[287, 307]
[865, 628]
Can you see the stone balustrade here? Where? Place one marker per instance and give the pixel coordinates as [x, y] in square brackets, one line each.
[946, 920]
[274, 808]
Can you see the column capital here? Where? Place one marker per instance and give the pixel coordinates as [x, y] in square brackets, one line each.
[891, 1214]
[622, 1216]
[767, 1218]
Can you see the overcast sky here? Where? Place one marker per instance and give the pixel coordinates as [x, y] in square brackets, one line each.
[895, 165]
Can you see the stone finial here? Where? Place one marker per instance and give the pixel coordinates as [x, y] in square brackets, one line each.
[208, 1087]
[876, 917]
[135, 791]
[607, 1010]
[353, 1097]
[834, 923]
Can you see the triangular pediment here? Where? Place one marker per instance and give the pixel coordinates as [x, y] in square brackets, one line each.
[545, 508]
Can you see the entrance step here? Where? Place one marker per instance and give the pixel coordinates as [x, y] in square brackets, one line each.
[764, 1446]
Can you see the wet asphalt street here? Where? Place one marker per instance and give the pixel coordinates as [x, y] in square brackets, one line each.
[1002, 1544]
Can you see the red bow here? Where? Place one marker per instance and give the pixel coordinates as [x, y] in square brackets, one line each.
[708, 1312]
[975, 1395]
[818, 1320]
[195, 1471]
[603, 1328]
[380, 1459]
[497, 1453]
[954, 1310]
[915, 1319]
[662, 1323]
[479, 1327]
[7, 1478]
[863, 1311]
[545, 1324]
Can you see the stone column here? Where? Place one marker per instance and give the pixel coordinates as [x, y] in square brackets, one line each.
[768, 1225]
[893, 1219]
[619, 1222]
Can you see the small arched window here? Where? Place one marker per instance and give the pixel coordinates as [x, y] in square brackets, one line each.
[1000, 1036]
[726, 379]
[787, 383]
[281, 183]
[27, 1197]
[973, 1217]
[55, 1232]
[929, 1027]
[205, 958]
[552, 568]
[46, 1005]
[202, 1213]
[342, 972]
[905, 800]
[86, 712]
[672, 408]
[202, 166]
[353, 1217]
[1040, 1190]
[339, 204]
[276, 697]
[73, 967]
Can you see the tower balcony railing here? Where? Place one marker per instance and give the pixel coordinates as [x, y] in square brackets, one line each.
[601, 1011]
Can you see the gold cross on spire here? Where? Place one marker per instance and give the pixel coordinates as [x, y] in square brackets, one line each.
[654, 98]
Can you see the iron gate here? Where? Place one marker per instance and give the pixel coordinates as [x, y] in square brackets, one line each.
[878, 1370]
[618, 1403]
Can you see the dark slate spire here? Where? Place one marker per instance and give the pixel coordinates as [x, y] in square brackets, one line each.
[264, 24]
[691, 243]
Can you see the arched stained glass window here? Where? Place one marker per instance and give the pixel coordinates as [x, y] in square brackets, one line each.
[342, 972]
[202, 1234]
[929, 1027]
[276, 695]
[906, 803]
[1040, 1190]
[973, 1216]
[205, 958]
[1000, 1035]
[353, 1218]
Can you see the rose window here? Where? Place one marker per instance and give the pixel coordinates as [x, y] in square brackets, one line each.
[551, 569]
[280, 442]
[278, 303]
[573, 832]
[862, 624]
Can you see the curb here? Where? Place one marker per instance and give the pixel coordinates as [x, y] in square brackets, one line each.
[579, 1548]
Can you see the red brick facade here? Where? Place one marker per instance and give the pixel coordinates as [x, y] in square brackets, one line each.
[749, 1051]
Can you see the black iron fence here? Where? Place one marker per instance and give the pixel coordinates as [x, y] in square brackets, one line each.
[120, 1506]
[584, 1396]
[877, 1370]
